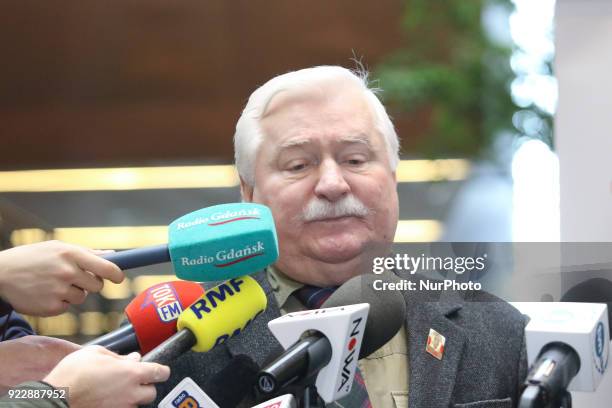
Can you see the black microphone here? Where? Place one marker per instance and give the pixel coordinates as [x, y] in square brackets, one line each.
[229, 386]
[225, 388]
[298, 364]
[120, 341]
[547, 381]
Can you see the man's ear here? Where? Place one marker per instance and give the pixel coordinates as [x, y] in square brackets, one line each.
[246, 191]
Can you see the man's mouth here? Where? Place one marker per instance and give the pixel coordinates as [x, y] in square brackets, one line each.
[335, 218]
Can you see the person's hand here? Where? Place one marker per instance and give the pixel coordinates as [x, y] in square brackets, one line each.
[30, 358]
[43, 279]
[97, 377]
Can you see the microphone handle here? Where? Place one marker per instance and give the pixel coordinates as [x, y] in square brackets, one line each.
[172, 348]
[125, 345]
[134, 258]
[112, 337]
[299, 362]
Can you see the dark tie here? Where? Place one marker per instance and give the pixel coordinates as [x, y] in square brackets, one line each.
[313, 298]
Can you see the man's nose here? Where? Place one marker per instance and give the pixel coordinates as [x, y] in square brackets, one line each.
[331, 185]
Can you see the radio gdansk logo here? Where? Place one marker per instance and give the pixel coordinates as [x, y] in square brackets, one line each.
[165, 301]
[220, 218]
[350, 362]
[227, 257]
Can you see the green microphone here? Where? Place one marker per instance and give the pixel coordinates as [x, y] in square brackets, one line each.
[212, 244]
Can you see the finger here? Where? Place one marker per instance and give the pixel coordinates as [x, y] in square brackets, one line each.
[135, 356]
[153, 373]
[54, 308]
[88, 281]
[101, 251]
[102, 350]
[145, 394]
[74, 295]
[98, 266]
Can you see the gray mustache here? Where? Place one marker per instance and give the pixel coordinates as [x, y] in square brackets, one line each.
[318, 209]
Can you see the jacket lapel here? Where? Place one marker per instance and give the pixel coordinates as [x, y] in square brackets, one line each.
[431, 380]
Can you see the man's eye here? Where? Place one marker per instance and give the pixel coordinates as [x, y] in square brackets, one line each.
[355, 161]
[294, 167]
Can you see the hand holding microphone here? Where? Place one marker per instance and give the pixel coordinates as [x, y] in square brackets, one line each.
[96, 377]
[43, 279]
[31, 358]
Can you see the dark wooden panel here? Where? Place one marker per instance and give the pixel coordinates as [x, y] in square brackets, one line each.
[108, 82]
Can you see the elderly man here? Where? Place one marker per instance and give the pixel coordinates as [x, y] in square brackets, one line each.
[318, 148]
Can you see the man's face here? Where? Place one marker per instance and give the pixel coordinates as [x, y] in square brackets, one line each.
[321, 158]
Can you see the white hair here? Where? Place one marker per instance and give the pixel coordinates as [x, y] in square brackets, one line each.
[249, 135]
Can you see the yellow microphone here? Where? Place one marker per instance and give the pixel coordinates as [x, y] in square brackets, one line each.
[220, 314]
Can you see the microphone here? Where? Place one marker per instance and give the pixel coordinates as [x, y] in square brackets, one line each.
[567, 347]
[187, 394]
[222, 313]
[242, 371]
[331, 338]
[152, 317]
[212, 244]
[387, 311]
[594, 290]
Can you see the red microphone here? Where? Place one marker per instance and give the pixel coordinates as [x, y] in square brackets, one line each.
[152, 317]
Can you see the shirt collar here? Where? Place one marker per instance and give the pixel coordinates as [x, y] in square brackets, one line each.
[282, 285]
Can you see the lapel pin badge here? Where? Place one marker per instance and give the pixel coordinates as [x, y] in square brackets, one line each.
[435, 344]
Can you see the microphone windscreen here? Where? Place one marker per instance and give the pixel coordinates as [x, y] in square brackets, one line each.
[223, 312]
[223, 242]
[153, 313]
[594, 290]
[387, 308]
[233, 383]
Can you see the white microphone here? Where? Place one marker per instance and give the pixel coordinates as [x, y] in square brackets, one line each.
[322, 344]
[567, 348]
[187, 394]
[284, 401]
